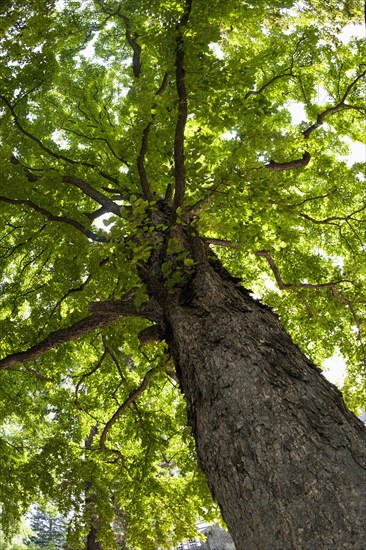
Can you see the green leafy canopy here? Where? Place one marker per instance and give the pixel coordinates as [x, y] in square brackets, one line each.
[120, 121]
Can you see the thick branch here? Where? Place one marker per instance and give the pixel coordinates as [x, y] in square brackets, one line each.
[179, 168]
[222, 242]
[54, 339]
[173, 375]
[97, 213]
[148, 310]
[102, 314]
[136, 63]
[144, 144]
[93, 194]
[60, 219]
[291, 165]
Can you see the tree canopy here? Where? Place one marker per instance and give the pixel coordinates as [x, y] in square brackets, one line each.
[120, 121]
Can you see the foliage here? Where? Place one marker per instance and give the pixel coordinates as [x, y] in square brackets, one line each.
[96, 98]
[17, 542]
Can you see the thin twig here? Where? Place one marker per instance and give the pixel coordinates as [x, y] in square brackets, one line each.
[334, 218]
[89, 373]
[287, 286]
[80, 288]
[130, 399]
[262, 88]
[342, 105]
[49, 151]
[37, 374]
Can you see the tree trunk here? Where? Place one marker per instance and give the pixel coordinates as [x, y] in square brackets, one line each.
[283, 456]
[91, 539]
[91, 542]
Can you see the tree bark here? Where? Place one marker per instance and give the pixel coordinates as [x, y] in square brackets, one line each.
[91, 542]
[284, 457]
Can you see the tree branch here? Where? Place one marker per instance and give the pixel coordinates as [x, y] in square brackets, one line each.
[179, 168]
[37, 374]
[341, 106]
[334, 218]
[222, 242]
[262, 88]
[49, 151]
[352, 85]
[60, 219]
[56, 338]
[114, 359]
[130, 399]
[149, 310]
[136, 48]
[87, 189]
[102, 314]
[93, 194]
[309, 199]
[323, 115]
[80, 288]
[229, 244]
[291, 165]
[144, 144]
[97, 213]
[92, 138]
[287, 286]
[89, 373]
[321, 286]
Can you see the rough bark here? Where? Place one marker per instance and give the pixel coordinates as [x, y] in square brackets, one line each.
[283, 456]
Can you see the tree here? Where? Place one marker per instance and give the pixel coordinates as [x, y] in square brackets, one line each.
[49, 529]
[150, 172]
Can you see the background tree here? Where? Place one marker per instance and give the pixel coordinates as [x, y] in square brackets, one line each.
[49, 529]
[147, 152]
